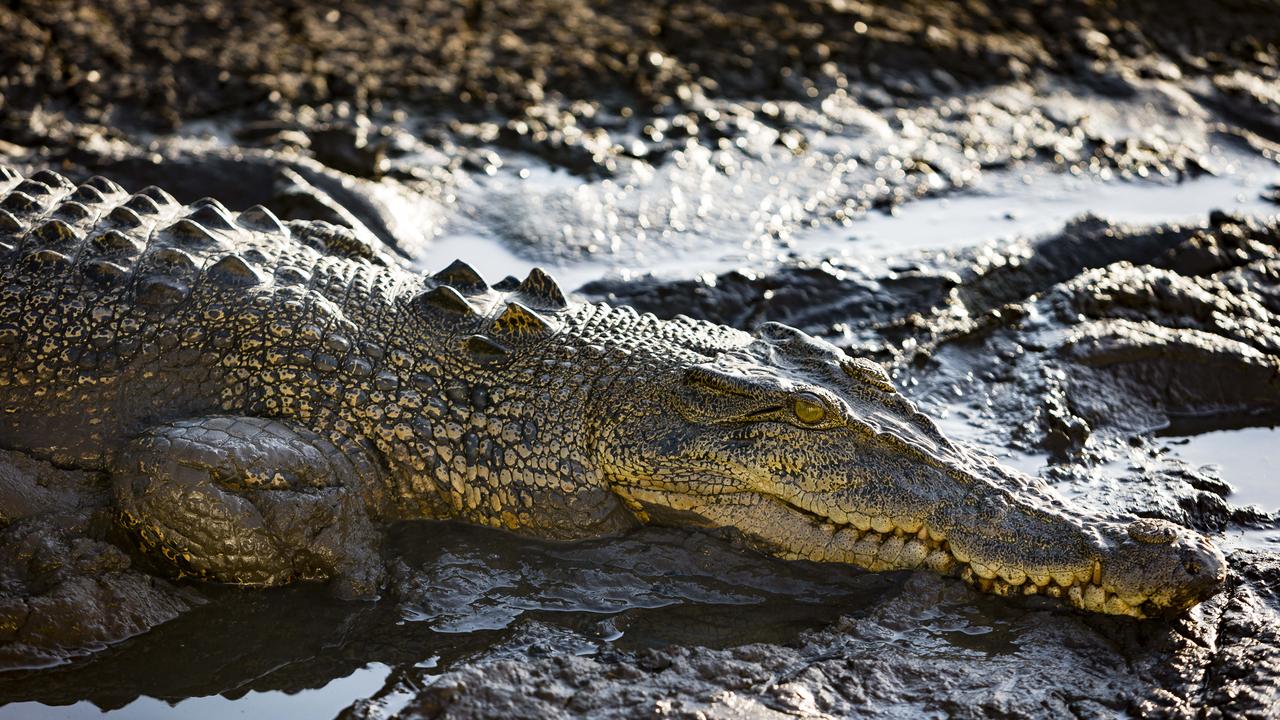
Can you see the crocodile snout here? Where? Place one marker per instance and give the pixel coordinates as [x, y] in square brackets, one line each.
[1161, 567]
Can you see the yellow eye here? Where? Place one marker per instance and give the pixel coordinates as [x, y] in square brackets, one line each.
[809, 409]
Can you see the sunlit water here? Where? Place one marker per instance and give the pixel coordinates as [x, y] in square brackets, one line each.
[1002, 207]
[1247, 458]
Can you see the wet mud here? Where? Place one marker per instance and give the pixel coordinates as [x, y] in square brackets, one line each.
[611, 139]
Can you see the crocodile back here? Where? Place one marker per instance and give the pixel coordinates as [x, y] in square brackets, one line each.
[119, 310]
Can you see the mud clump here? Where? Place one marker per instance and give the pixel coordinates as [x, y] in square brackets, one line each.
[65, 589]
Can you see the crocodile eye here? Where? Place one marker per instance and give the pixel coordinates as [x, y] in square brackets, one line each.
[809, 409]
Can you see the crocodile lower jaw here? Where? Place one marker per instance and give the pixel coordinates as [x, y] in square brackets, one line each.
[875, 543]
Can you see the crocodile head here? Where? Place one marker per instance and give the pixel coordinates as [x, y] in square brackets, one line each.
[811, 454]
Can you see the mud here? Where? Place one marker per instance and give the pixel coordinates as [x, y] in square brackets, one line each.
[608, 138]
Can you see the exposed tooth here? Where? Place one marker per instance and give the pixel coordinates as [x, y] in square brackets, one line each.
[1013, 576]
[940, 561]
[967, 574]
[1030, 589]
[1116, 606]
[882, 525]
[913, 554]
[1097, 572]
[890, 549]
[1076, 595]
[983, 571]
[999, 588]
[1095, 598]
[1053, 591]
[985, 584]
[923, 534]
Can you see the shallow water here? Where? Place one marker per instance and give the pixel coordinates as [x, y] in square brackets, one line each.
[1248, 458]
[465, 592]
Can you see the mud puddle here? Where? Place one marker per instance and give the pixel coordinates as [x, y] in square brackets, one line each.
[321, 702]
[1248, 458]
[461, 593]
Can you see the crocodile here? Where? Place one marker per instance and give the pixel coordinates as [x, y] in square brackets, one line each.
[265, 397]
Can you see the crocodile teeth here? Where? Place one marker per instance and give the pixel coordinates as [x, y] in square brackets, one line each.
[983, 571]
[1013, 576]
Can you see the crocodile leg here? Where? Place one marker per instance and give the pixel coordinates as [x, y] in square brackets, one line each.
[249, 501]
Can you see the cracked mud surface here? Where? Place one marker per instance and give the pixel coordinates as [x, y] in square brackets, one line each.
[607, 138]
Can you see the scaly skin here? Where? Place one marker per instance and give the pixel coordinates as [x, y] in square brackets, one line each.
[264, 396]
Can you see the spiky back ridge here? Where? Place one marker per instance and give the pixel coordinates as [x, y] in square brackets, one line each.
[491, 319]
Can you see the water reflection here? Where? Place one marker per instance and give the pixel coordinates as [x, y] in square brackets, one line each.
[459, 592]
[1246, 457]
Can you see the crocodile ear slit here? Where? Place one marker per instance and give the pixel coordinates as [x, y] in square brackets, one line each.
[704, 377]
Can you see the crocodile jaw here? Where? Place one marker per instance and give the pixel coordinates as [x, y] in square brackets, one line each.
[1118, 570]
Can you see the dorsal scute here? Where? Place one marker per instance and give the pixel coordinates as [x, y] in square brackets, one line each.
[103, 185]
[9, 223]
[261, 219]
[446, 299]
[541, 291]
[507, 284]
[159, 195]
[461, 277]
[55, 232]
[518, 321]
[72, 212]
[190, 233]
[142, 205]
[485, 349]
[88, 194]
[124, 217]
[212, 215]
[234, 270]
[52, 179]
